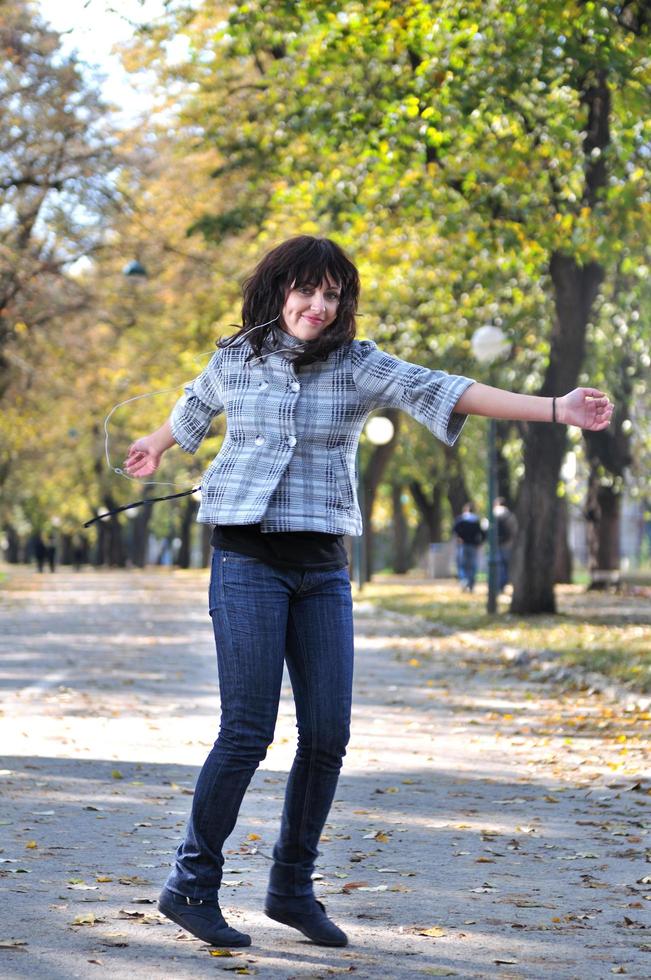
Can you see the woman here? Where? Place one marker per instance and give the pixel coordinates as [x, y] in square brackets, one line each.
[296, 388]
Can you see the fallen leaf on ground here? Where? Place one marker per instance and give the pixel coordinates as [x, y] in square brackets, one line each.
[87, 919]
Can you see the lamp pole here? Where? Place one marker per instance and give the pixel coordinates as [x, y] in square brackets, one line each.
[379, 431]
[488, 344]
[493, 558]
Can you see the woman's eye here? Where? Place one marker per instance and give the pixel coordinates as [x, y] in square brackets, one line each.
[332, 297]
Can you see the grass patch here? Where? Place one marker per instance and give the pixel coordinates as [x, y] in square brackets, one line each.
[597, 631]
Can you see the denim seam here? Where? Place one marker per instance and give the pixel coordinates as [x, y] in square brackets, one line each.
[219, 591]
[310, 771]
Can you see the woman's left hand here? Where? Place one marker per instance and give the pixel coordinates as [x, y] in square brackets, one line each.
[587, 408]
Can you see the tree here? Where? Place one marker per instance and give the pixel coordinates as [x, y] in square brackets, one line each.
[56, 153]
[503, 128]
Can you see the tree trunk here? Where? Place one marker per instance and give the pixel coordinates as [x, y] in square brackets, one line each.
[12, 554]
[430, 510]
[400, 532]
[562, 550]
[206, 551]
[190, 507]
[457, 490]
[140, 536]
[603, 507]
[110, 546]
[537, 514]
[609, 454]
[575, 290]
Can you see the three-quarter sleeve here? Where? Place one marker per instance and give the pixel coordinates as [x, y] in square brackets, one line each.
[201, 401]
[385, 381]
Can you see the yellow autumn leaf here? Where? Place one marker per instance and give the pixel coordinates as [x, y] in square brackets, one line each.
[220, 952]
[87, 919]
[31, 845]
[102, 878]
[435, 932]
[253, 837]
[414, 662]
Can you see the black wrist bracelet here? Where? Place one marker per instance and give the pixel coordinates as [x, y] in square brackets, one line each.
[554, 410]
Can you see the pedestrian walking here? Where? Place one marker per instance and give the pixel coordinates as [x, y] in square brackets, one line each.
[40, 551]
[296, 388]
[470, 537]
[507, 529]
[51, 551]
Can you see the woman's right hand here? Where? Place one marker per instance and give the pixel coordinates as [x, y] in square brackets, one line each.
[143, 458]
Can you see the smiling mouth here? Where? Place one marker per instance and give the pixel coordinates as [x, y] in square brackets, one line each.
[312, 319]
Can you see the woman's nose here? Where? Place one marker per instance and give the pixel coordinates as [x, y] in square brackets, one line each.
[318, 302]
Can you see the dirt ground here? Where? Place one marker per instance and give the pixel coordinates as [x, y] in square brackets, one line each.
[486, 825]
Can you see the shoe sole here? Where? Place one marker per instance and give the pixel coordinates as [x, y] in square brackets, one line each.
[169, 914]
[295, 925]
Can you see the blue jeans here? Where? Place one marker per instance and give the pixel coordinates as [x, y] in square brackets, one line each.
[263, 616]
[504, 561]
[467, 558]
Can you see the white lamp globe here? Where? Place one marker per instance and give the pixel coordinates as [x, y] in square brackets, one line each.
[379, 430]
[488, 343]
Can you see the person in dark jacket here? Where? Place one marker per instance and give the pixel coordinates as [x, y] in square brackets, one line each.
[470, 537]
[296, 388]
[40, 550]
[507, 529]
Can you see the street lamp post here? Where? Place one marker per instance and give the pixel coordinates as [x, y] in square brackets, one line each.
[379, 431]
[488, 344]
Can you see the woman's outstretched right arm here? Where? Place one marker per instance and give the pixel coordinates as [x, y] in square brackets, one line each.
[145, 454]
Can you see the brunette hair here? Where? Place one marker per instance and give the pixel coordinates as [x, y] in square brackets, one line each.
[303, 260]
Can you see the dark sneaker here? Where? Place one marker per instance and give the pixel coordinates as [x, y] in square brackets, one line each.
[203, 919]
[308, 916]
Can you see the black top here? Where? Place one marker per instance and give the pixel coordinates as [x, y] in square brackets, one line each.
[287, 549]
[468, 528]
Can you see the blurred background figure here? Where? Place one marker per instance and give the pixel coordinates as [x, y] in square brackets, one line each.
[51, 551]
[507, 529]
[40, 550]
[470, 537]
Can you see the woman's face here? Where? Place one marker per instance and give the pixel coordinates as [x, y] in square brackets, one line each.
[310, 308]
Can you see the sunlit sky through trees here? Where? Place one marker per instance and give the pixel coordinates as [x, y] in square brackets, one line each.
[92, 28]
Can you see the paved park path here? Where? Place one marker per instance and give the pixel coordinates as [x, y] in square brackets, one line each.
[486, 826]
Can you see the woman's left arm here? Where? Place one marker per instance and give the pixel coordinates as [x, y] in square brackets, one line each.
[586, 408]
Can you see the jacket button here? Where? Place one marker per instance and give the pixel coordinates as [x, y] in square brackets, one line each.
[263, 385]
[295, 386]
[259, 440]
[291, 441]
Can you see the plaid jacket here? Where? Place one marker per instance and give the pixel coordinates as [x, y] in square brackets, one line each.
[288, 456]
